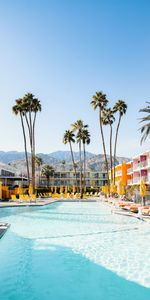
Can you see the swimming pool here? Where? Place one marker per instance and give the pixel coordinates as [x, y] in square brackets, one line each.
[73, 251]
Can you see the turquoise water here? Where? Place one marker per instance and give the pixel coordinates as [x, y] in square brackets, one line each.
[73, 251]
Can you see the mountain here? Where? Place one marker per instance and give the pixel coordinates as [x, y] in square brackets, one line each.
[54, 157]
[95, 162]
[6, 157]
[63, 155]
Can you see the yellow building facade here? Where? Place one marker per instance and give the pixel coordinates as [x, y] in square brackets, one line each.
[121, 173]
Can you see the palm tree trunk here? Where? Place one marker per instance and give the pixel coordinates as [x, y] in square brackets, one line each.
[73, 163]
[29, 125]
[111, 153]
[115, 147]
[33, 152]
[81, 192]
[48, 181]
[29, 130]
[25, 147]
[104, 148]
[84, 171]
[39, 174]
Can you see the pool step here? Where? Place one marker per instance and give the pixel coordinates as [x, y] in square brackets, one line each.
[3, 228]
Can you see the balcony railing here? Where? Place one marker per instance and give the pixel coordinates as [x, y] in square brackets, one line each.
[130, 170]
[142, 164]
[130, 181]
[145, 178]
[118, 173]
[136, 166]
[136, 179]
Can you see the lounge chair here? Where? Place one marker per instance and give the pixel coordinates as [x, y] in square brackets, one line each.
[13, 198]
[33, 198]
[72, 196]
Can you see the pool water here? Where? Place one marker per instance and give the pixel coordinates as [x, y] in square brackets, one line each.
[73, 251]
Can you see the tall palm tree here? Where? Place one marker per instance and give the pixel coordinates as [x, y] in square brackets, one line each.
[121, 108]
[100, 101]
[18, 110]
[31, 106]
[145, 129]
[48, 171]
[69, 138]
[79, 126]
[108, 119]
[86, 141]
[39, 163]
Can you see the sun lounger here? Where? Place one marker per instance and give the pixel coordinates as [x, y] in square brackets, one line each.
[33, 198]
[13, 198]
[72, 195]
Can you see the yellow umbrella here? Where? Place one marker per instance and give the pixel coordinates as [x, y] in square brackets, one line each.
[30, 189]
[0, 190]
[120, 188]
[74, 189]
[142, 188]
[113, 188]
[103, 188]
[20, 189]
[61, 189]
[106, 190]
[66, 189]
[55, 189]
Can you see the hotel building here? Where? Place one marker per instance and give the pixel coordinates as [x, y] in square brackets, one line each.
[67, 178]
[132, 172]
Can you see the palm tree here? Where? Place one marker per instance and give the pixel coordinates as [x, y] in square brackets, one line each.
[39, 163]
[69, 138]
[121, 108]
[31, 106]
[100, 101]
[145, 129]
[108, 119]
[79, 127]
[48, 171]
[18, 110]
[86, 141]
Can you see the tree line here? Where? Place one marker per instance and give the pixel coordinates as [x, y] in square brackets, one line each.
[28, 107]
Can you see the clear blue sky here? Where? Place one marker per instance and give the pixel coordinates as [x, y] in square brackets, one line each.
[63, 51]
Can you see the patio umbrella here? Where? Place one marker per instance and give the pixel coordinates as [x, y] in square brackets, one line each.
[106, 190]
[74, 189]
[30, 189]
[0, 190]
[61, 189]
[120, 189]
[20, 190]
[55, 189]
[66, 189]
[114, 188]
[143, 190]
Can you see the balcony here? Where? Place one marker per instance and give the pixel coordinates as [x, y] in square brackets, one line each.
[142, 164]
[130, 181]
[137, 166]
[130, 170]
[145, 164]
[136, 180]
[118, 173]
[145, 178]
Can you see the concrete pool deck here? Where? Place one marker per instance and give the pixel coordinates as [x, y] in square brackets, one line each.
[41, 202]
